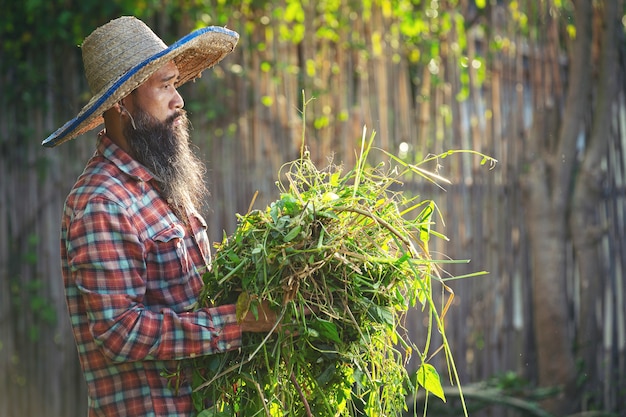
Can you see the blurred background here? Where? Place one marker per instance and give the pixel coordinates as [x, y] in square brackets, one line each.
[537, 84]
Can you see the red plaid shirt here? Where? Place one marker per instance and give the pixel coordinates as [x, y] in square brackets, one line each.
[132, 272]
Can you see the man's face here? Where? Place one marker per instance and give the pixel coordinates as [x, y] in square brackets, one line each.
[159, 140]
[158, 95]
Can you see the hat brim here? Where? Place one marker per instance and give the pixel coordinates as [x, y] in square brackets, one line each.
[192, 54]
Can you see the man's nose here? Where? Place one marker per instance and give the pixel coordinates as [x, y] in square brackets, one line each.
[178, 101]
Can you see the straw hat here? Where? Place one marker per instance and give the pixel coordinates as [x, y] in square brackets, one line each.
[122, 54]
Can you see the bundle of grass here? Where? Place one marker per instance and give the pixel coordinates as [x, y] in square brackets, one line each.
[341, 257]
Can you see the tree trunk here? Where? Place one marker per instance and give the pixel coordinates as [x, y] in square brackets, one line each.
[551, 184]
[586, 221]
[547, 234]
[547, 195]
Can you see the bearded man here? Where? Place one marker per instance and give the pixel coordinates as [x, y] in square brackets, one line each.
[133, 245]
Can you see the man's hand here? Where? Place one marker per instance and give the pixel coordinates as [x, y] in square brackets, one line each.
[264, 323]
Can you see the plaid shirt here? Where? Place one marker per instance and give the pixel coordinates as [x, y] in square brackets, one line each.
[132, 272]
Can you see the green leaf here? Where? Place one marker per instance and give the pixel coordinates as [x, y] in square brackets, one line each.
[326, 329]
[328, 373]
[311, 332]
[232, 256]
[428, 378]
[198, 400]
[267, 101]
[242, 306]
[402, 259]
[424, 219]
[274, 210]
[289, 203]
[381, 315]
[327, 214]
[292, 234]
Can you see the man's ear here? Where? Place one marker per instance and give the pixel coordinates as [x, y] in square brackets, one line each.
[123, 112]
[117, 107]
[120, 105]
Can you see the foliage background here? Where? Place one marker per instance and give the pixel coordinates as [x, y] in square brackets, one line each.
[539, 85]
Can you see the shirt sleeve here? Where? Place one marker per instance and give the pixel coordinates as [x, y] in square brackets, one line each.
[106, 258]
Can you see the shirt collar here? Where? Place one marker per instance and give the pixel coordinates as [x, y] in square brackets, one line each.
[107, 148]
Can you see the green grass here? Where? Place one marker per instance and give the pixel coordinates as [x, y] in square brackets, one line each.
[352, 248]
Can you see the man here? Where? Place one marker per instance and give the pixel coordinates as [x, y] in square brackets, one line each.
[133, 246]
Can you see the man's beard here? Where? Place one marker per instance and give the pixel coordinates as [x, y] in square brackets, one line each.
[164, 149]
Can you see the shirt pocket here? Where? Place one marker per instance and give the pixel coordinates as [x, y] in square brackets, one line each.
[169, 262]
